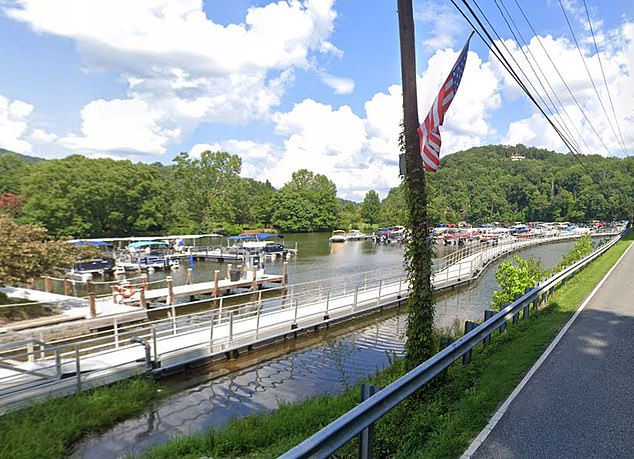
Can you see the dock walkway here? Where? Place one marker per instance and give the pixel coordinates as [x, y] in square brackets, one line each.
[577, 400]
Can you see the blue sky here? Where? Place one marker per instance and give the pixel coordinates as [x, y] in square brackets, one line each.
[289, 84]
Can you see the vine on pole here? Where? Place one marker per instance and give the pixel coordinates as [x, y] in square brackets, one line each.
[418, 251]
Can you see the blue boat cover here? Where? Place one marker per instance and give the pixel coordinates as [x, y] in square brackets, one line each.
[139, 244]
[259, 236]
[95, 243]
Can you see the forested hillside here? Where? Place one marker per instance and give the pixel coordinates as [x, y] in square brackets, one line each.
[482, 185]
[82, 197]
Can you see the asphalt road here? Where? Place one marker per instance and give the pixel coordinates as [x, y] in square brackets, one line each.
[580, 402]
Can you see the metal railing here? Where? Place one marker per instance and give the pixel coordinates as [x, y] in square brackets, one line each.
[345, 428]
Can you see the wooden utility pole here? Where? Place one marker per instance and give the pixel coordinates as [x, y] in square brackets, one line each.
[418, 253]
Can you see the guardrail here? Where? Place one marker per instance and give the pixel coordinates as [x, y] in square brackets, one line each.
[328, 440]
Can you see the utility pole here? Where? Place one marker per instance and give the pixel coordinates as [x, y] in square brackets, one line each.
[418, 253]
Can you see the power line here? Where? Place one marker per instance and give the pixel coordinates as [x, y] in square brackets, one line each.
[543, 76]
[539, 40]
[504, 62]
[605, 81]
[585, 64]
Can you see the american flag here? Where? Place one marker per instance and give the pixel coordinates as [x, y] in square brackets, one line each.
[429, 130]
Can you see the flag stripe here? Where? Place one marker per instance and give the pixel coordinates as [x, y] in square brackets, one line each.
[429, 130]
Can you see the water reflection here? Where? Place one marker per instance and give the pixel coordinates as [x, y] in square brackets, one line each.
[327, 368]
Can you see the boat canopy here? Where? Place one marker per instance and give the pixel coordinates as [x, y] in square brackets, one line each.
[258, 236]
[95, 243]
[139, 244]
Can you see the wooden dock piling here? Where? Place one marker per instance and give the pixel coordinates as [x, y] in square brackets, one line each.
[68, 288]
[92, 299]
[170, 290]
[142, 301]
[216, 279]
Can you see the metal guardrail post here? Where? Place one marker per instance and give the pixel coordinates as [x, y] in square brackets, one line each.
[173, 314]
[400, 281]
[487, 315]
[468, 326]
[503, 326]
[378, 300]
[326, 314]
[356, 296]
[366, 437]
[30, 351]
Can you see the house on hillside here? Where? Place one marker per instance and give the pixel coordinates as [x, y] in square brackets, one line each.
[517, 157]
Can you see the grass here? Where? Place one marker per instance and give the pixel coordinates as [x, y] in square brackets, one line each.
[439, 422]
[49, 429]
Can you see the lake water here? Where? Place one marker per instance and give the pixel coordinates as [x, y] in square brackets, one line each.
[329, 366]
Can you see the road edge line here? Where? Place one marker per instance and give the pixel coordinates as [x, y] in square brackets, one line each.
[475, 444]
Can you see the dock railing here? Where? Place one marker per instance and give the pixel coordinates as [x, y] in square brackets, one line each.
[329, 439]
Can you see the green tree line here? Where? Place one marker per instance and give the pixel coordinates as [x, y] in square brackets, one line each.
[81, 197]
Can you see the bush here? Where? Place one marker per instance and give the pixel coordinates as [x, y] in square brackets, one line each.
[514, 278]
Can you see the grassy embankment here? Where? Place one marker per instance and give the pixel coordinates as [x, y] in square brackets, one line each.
[48, 430]
[440, 423]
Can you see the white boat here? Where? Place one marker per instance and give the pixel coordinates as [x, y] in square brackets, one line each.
[355, 235]
[338, 236]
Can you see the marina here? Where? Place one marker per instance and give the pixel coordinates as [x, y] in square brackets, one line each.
[220, 331]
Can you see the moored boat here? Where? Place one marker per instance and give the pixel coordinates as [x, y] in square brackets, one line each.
[355, 235]
[338, 236]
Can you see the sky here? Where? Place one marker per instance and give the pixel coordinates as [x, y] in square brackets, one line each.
[298, 84]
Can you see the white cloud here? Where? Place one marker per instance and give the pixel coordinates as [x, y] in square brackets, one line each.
[340, 85]
[593, 133]
[14, 115]
[173, 57]
[121, 125]
[41, 136]
[442, 22]
[359, 153]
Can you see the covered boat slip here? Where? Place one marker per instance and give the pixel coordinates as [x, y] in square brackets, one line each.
[164, 252]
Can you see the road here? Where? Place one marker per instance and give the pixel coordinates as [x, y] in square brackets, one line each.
[580, 402]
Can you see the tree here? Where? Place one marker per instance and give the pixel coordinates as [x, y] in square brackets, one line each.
[371, 207]
[12, 169]
[204, 191]
[515, 278]
[94, 197]
[307, 203]
[27, 252]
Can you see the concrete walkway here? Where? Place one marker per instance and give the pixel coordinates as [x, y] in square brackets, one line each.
[579, 403]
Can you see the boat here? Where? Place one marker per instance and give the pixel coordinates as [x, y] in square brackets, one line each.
[144, 255]
[355, 235]
[85, 269]
[338, 236]
[260, 243]
[389, 234]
